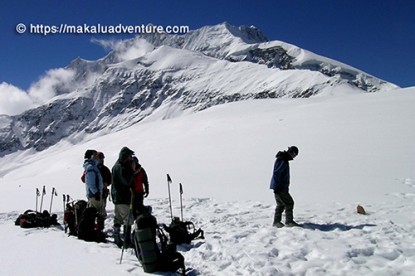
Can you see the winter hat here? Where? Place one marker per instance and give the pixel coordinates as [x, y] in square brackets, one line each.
[293, 150]
[89, 153]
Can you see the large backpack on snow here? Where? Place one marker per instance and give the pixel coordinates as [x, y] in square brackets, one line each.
[33, 219]
[155, 256]
[183, 231]
[88, 229]
[72, 216]
[83, 222]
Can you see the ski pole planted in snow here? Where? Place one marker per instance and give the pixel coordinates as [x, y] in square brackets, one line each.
[41, 200]
[64, 205]
[51, 199]
[181, 199]
[37, 197]
[168, 185]
[64, 208]
[130, 213]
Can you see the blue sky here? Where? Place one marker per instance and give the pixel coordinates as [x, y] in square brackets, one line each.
[375, 36]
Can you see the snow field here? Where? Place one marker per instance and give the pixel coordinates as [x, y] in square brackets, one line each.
[355, 149]
[334, 240]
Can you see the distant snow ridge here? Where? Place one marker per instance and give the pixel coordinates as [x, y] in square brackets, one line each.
[158, 76]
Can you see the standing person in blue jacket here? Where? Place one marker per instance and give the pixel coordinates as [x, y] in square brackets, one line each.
[280, 183]
[94, 186]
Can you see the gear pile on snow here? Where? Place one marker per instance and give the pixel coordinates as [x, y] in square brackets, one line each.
[83, 221]
[34, 219]
[155, 245]
[183, 231]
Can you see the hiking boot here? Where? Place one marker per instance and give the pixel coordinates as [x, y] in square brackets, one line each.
[292, 224]
[278, 224]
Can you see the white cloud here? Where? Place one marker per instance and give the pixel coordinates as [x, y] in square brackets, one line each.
[13, 100]
[126, 49]
[49, 85]
[107, 44]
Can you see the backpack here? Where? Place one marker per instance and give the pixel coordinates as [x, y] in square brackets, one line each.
[88, 226]
[183, 231]
[153, 256]
[83, 222]
[72, 216]
[33, 219]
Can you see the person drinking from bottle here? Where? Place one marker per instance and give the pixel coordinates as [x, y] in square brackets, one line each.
[122, 177]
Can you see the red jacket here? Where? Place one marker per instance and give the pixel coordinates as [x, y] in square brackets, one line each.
[140, 181]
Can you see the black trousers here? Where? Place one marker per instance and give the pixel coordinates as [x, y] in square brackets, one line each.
[284, 202]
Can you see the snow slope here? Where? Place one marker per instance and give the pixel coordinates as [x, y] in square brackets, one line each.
[354, 149]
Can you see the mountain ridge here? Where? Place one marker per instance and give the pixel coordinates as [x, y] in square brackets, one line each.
[180, 73]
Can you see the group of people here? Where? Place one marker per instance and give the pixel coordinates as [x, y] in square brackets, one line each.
[129, 186]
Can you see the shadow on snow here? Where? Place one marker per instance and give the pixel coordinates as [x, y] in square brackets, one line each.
[334, 226]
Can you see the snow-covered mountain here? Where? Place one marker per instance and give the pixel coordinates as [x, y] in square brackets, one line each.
[158, 76]
[354, 149]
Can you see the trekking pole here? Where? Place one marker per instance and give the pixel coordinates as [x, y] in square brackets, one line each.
[51, 199]
[168, 185]
[41, 201]
[181, 199]
[128, 222]
[37, 197]
[64, 205]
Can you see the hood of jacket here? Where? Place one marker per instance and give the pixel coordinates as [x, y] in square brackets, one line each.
[124, 153]
[284, 155]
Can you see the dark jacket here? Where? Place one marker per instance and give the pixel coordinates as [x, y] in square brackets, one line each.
[280, 180]
[106, 178]
[122, 175]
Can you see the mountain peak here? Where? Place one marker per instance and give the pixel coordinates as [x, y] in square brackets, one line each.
[248, 34]
[215, 41]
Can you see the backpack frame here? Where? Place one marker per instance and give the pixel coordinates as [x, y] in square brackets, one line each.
[155, 256]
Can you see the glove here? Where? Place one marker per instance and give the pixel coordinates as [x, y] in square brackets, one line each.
[97, 196]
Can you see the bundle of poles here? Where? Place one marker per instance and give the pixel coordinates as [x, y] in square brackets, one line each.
[169, 182]
[38, 194]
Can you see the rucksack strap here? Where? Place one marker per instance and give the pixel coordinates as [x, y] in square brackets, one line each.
[162, 237]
